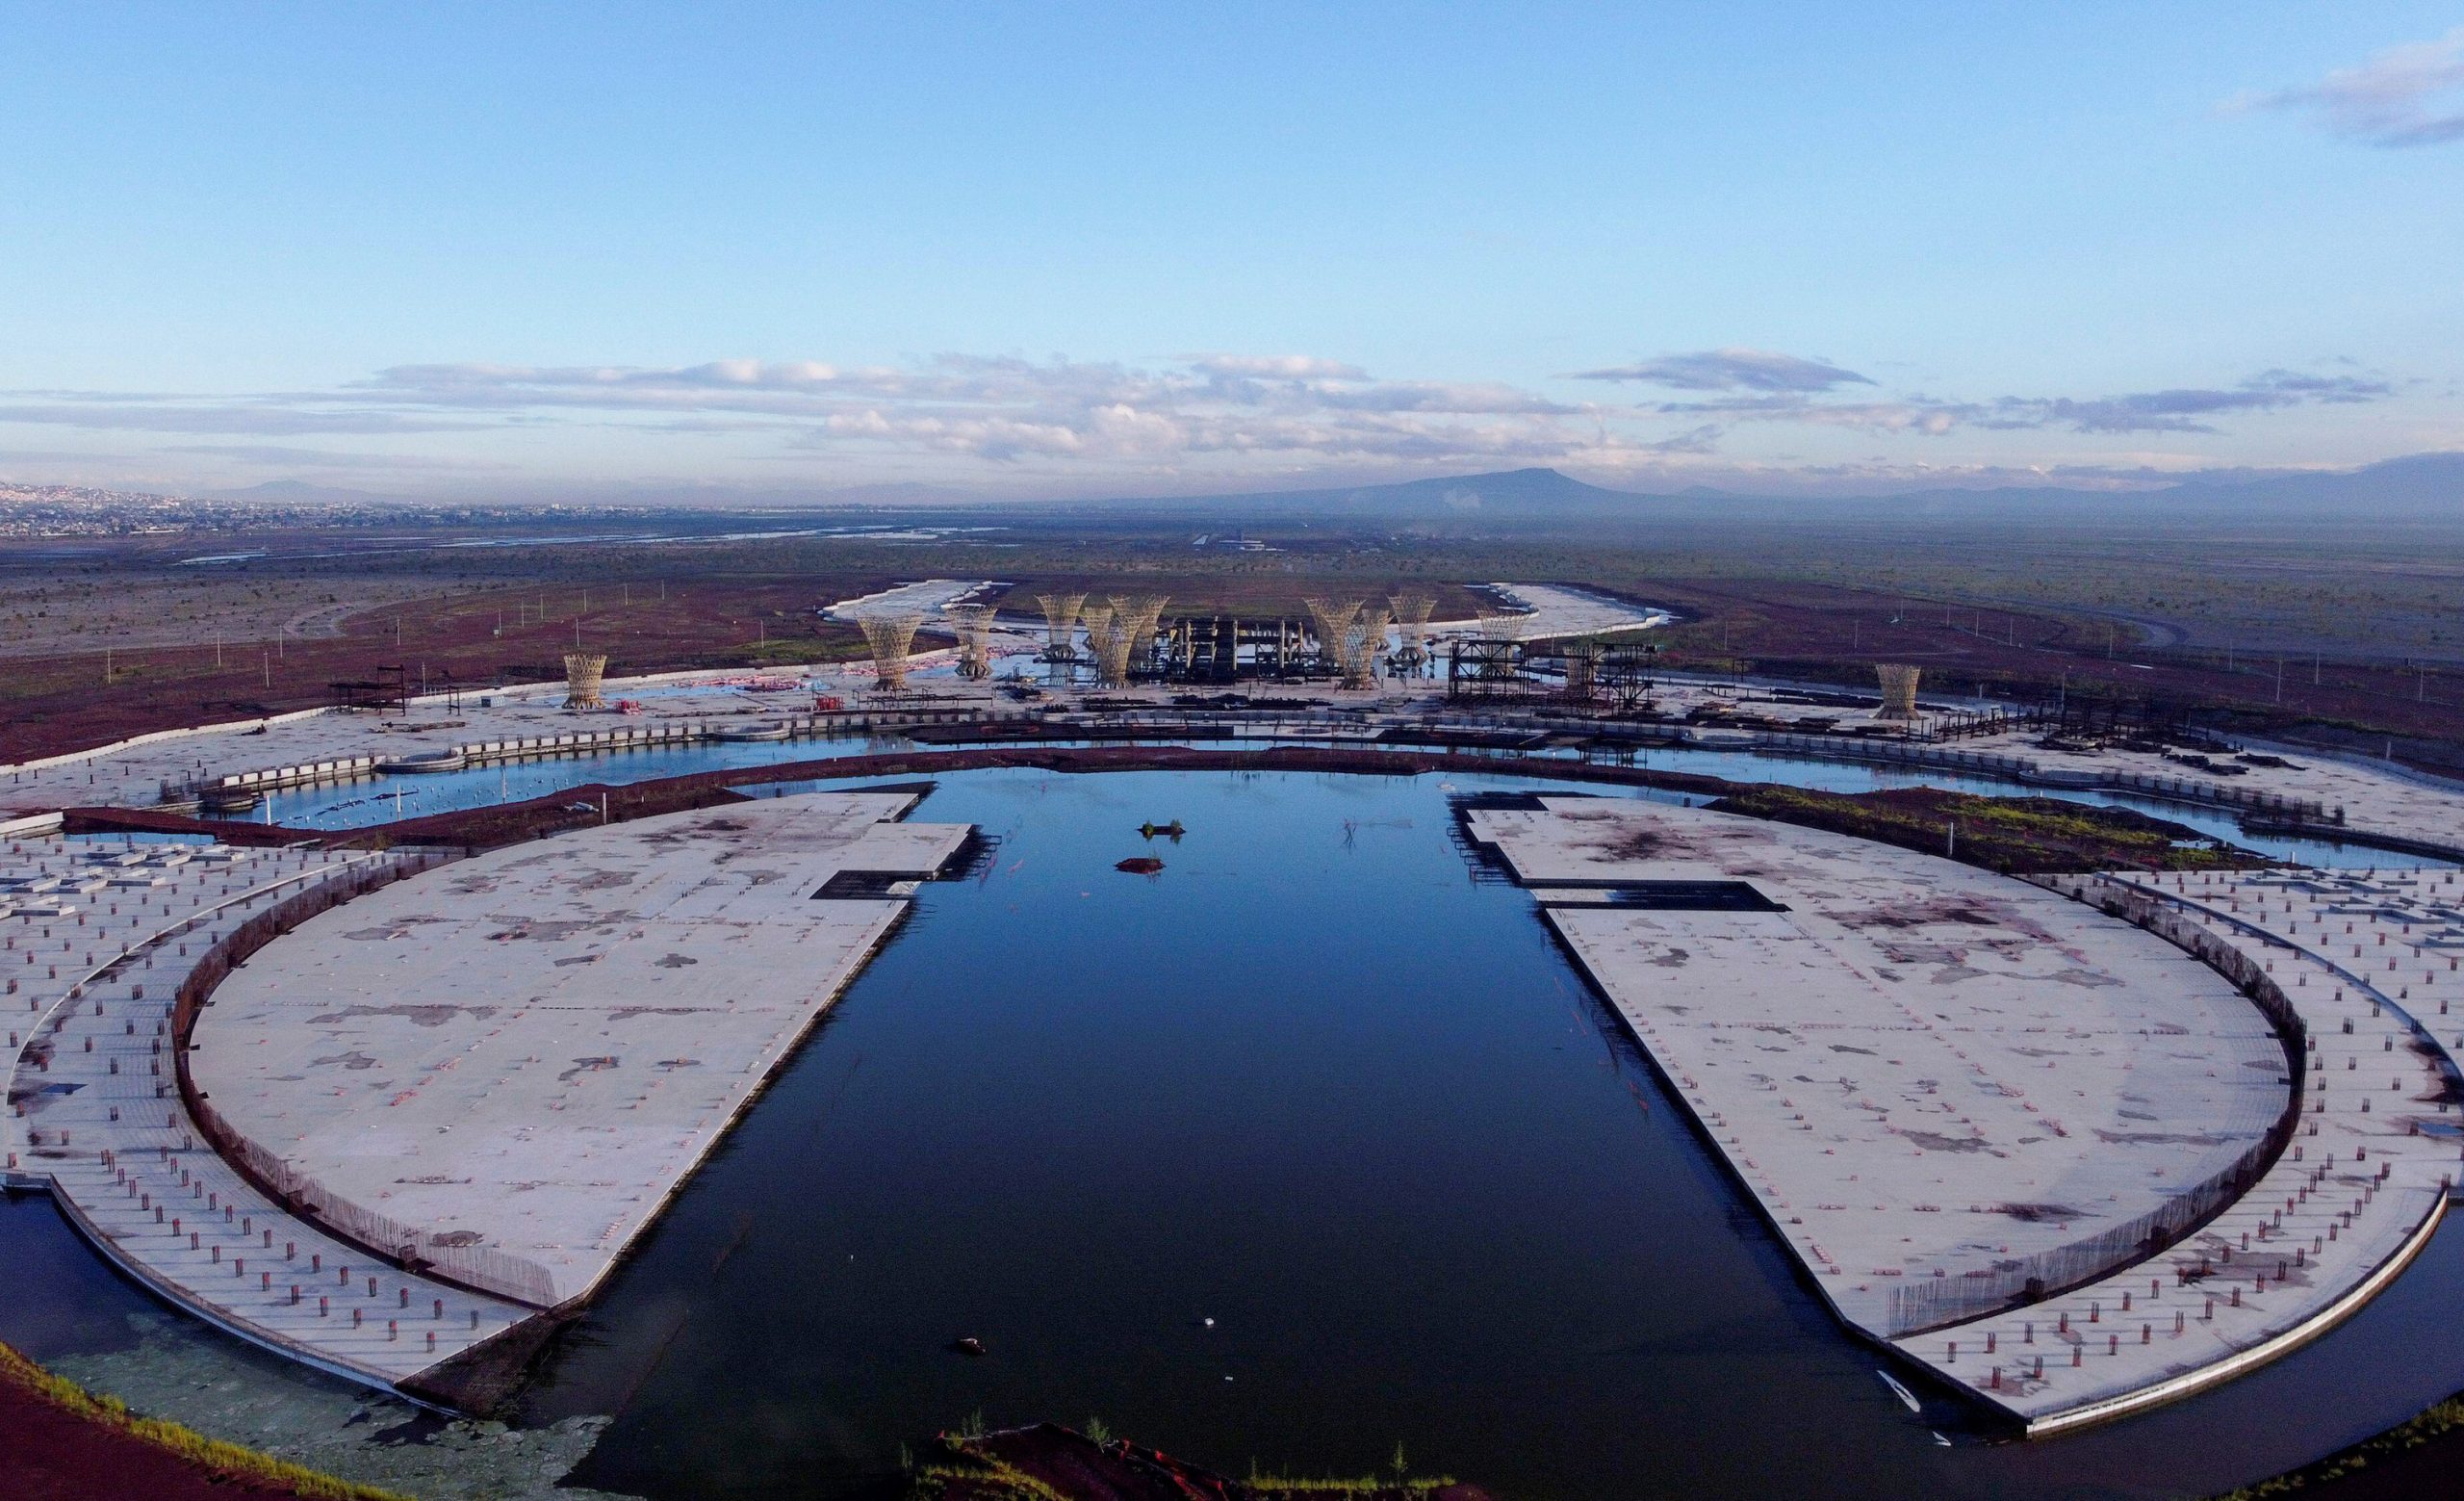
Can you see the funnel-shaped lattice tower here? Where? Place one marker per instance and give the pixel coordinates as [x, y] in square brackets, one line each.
[1412, 610]
[891, 638]
[1332, 618]
[1364, 643]
[1899, 689]
[1097, 618]
[1060, 619]
[1110, 631]
[973, 624]
[582, 672]
[1138, 616]
[1112, 655]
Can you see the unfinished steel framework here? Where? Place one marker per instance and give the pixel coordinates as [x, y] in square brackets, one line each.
[973, 625]
[1060, 621]
[1593, 672]
[1488, 664]
[1899, 689]
[891, 638]
[1229, 648]
[584, 671]
[1583, 669]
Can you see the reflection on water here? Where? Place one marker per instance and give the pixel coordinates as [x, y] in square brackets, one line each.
[382, 800]
[1311, 1083]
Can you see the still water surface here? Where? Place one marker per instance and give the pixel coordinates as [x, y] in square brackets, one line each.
[1316, 1084]
[381, 799]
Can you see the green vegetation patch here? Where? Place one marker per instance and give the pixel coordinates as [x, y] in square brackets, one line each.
[1050, 1463]
[2011, 835]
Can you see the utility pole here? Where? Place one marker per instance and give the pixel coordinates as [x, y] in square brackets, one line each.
[269, 669]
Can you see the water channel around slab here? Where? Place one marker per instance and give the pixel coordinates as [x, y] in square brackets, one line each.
[1313, 1082]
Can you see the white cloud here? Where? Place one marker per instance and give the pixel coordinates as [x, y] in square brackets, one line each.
[1228, 416]
[2408, 96]
[1731, 370]
[1276, 367]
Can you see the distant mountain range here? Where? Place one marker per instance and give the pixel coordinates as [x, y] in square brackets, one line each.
[2424, 486]
[2420, 488]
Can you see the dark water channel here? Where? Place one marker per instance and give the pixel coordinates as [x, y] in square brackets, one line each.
[1316, 1084]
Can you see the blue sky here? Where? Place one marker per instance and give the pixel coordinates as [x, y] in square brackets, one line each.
[539, 251]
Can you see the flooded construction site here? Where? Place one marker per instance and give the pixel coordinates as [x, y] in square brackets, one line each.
[1321, 1139]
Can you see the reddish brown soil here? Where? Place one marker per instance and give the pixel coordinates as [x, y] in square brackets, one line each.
[52, 704]
[1826, 633]
[1781, 628]
[49, 1454]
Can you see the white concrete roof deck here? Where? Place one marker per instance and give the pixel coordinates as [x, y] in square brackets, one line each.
[51, 953]
[530, 1050]
[106, 1130]
[2335, 1218]
[1920, 1067]
[2389, 799]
